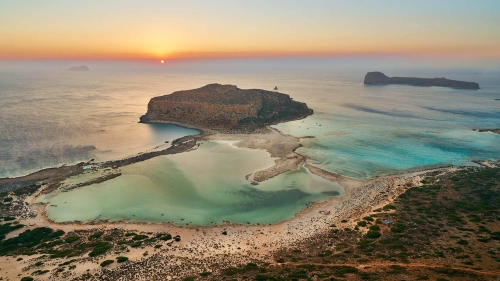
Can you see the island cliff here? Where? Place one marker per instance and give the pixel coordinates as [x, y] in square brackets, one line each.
[225, 108]
[79, 68]
[379, 78]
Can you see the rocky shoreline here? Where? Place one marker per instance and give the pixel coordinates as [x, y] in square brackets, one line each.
[496, 131]
[212, 248]
[379, 78]
[225, 108]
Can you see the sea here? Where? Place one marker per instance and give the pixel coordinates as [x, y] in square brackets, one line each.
[51, 117]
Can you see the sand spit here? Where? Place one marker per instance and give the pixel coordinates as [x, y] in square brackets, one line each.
[206, 248]
[53, 177]
[279, 145]
[203, 247]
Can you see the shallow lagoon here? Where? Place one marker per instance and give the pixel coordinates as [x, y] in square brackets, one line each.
[201, 187]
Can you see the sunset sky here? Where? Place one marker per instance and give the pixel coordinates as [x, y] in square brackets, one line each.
[114, 29]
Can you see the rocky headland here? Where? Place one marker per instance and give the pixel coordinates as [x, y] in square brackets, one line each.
[496, 131]
[379, 78]
[225, 108]
[79, 68]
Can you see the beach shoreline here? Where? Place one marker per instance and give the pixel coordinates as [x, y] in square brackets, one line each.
[232, 243]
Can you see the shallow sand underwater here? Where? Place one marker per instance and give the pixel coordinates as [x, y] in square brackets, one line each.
[202, 187]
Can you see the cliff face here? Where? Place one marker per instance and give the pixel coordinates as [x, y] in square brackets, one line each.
[216, 106]
[378, 78]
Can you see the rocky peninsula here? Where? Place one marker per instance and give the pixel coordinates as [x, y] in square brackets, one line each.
[79, 68]
[225, 108]
[496, 131]
[379, 78]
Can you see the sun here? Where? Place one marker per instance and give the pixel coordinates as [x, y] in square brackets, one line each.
[162, 61]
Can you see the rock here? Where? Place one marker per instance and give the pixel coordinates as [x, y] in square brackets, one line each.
[379, 78]
[79, 68]
[225, 107]
[496, 131]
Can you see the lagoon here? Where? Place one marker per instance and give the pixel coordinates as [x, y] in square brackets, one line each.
[202, 187]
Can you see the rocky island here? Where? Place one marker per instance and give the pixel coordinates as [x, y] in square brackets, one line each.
[496, 131]
[225, 108]
[379, 78]
[79, 68]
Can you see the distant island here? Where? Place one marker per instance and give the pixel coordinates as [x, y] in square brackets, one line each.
[225, 108]
[79, 68]
[379, 78]
[496, 131]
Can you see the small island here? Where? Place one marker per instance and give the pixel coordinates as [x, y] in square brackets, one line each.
[379, 78]
[79, 68]
[225, 108]
[496, 131]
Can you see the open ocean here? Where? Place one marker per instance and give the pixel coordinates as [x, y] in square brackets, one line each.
[50, 117]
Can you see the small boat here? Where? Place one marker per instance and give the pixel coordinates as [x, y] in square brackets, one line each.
[276, 88]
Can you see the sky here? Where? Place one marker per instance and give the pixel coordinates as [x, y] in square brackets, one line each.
[154, 29]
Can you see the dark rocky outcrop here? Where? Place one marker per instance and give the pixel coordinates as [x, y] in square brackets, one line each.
[79, 68]
[379, 78]
[496, 131]
[225, 107]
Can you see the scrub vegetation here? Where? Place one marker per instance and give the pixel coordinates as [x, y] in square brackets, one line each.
[446, 229]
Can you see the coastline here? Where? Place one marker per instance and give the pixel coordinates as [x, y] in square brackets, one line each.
[204, 245]
[243, 243]
[279, 145]
[201, 245]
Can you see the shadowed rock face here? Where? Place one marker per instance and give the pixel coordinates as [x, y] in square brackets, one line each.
[379, 78]
[496, 131]
[79, 68]
[216, 106]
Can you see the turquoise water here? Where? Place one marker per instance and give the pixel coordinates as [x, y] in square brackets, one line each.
[179, 188]
[53, 117]
[364, 131]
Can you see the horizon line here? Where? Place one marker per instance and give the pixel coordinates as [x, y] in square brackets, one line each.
[249, 55]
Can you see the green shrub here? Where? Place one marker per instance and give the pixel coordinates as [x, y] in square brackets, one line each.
[165, 237]
[40, 272]
[99, 249]
[139, 237]
[136, 244]
[107, 262]
[96, 235]
[398, 228]
[8, 227]
[340, 271]
[372, 234]
[362, 223]
[389, 207]
[72, 239]
[121, 259]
